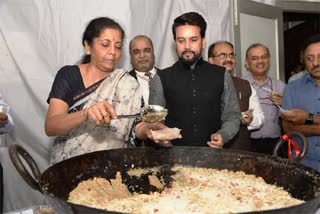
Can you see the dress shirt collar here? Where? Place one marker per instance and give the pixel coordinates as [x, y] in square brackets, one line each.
[308, 79]
[267, 82]
[153, 71]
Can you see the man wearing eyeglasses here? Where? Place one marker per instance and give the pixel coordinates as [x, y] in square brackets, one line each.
[222, 53]
[301, 100]
[269, 91]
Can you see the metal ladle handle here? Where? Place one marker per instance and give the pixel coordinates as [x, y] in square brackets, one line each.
[149, 114]
[16, 152]
[129, 115]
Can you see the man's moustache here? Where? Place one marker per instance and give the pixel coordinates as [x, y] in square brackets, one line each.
[228, 62]
[187, 51]
[144, 60]
[316, 67]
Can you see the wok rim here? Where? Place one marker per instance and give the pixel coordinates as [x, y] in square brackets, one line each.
[277, 160]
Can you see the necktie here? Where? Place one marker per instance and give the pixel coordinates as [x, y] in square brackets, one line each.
[149, 75]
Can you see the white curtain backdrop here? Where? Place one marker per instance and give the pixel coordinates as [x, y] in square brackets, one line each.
[38, 37]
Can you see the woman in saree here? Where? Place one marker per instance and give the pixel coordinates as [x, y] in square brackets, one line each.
[85, 99]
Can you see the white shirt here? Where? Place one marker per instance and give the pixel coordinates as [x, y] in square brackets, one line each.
[144, 84]
[258, 115]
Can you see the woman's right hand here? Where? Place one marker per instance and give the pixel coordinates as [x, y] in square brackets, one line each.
[101, 113]
[59, 121]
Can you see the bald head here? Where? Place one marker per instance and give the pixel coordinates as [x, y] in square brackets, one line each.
[140, 37]
[141, 53]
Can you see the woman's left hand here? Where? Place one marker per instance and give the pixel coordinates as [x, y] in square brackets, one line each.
[143, 129]
[143, 132]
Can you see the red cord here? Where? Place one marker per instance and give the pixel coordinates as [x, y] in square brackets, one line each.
[285, 137]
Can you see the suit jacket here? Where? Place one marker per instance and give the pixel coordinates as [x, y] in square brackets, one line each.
[142, 143]
[133, 73]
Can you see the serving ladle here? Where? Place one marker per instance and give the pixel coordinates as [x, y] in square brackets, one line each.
[149, 114]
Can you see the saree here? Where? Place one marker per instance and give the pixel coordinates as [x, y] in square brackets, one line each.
[123, 92]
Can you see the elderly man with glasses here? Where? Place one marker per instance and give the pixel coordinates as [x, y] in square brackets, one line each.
[270, 96]
[222, 53]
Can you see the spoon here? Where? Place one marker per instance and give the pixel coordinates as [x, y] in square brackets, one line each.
[149, 114]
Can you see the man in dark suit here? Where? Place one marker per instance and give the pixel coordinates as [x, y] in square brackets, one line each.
[142, 61]
[198, 95]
